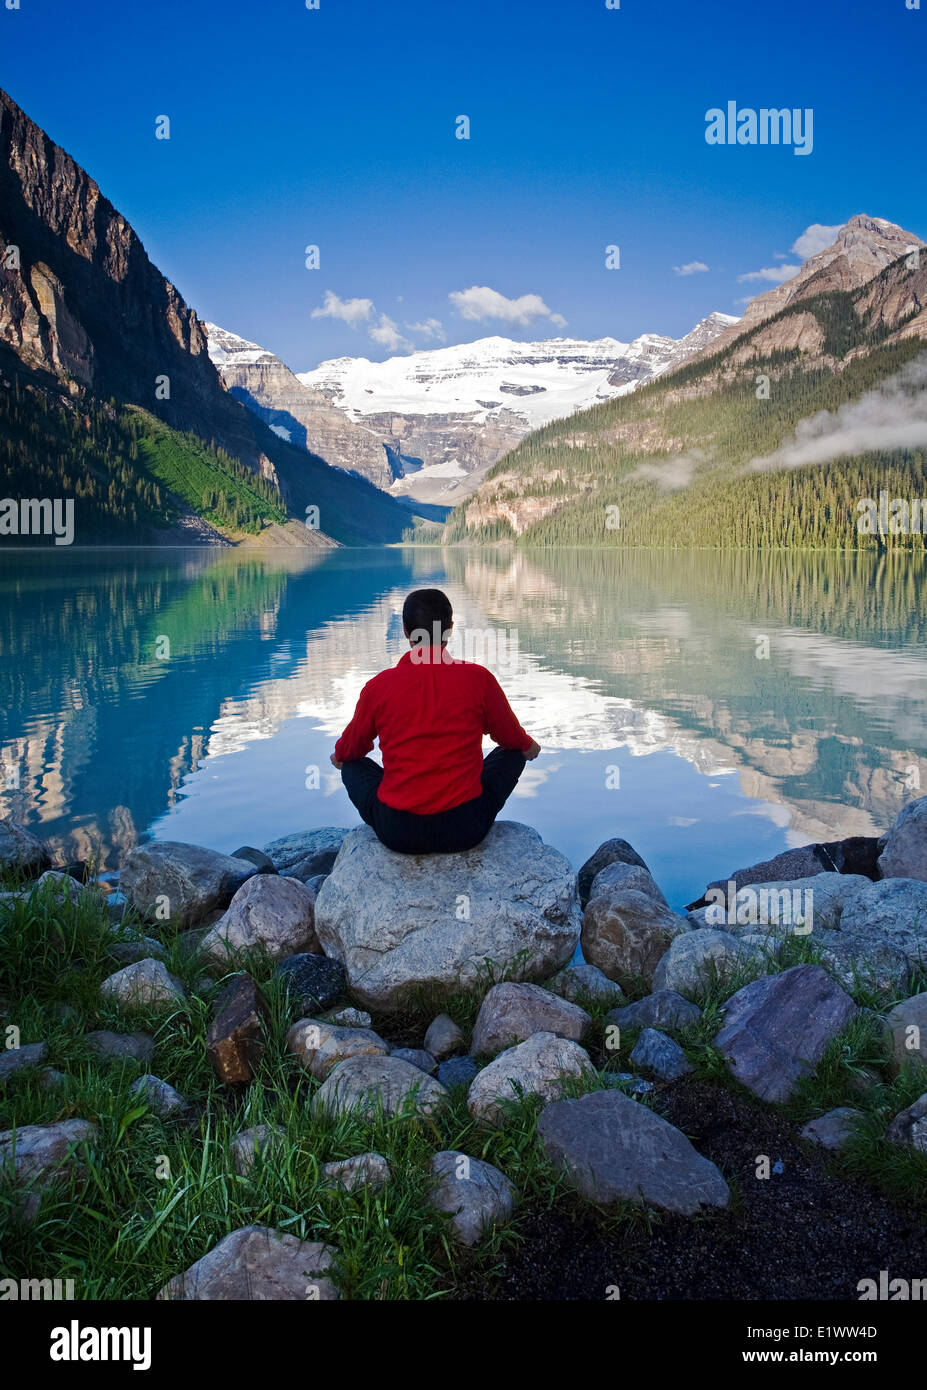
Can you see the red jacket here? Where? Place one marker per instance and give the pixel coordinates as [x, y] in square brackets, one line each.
[430, 717]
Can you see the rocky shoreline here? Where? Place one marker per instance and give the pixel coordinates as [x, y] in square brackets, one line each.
[373, 954]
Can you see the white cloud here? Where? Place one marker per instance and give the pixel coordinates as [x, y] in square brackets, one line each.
[387, 334]
[815, 238]
[773, 274]
[690, 268]
[352, 311]
[480, 302]
[429, 328]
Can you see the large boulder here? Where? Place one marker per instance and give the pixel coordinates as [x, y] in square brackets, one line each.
[400, 921]
[368, 1085]
[906, 1027]
[474, 1194]
[166, 881]
[697, 960]
[20, 851]
[612, 1148]
[905, 852]
[513, 1011]
[883, 931]
[291, 852]
[625, 932]
[776, 1029]
[538, 1067]
[273, 914]
[257, 1263]
[614, 851]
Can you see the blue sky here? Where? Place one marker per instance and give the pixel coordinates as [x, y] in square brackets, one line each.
[336, 127]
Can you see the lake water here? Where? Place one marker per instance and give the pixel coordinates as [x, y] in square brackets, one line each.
[713, 709]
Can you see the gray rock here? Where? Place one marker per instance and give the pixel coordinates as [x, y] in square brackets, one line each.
[612, 1148]
[20, 851]
[582, 982]
[457, 1071]
[268, 912]
[611, 852]
[38, 1156]
[625, 933]
[321, 1046]
[778, 908]
[906, 1026]
[249, 1146]
[289, 850]
[883, 922]
[400, 921]
[50, 1078]
[443, 1037]
[162, 1099]
[17, 1059]
[145, 985]
[620, 877]
[130, 950]
[314, 866]
[804, 862]
[659, 1056]
[367, 1084]
[418, 1057]
[832, 1130]
[905, 852]
[62, 886]
[699, 959]
[626, 1081]
[512, 1012]
[257, 1263]
[662, 1009]
[139, 1047]
[350, 1018]
[776, 1029]
[169, 881]
[909, 1128]
[474, 1194]
[538, 1067]
[364, 1170]
[257, 857]
[313, 982]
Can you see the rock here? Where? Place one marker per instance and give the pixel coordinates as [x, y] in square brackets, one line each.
[778, 908]
[61, 886]
[620, 878]
[274, 914]
[17, 1059]
[350, 1018]
[162, 1099]
[168, 881]
[443, 1037]
[136, 949]
[582, 982]
[662, 1009]
[366, 1084]
[235, 1039]
[50, 1077]
[321, 1046]
[250, 1145]
[144, 985]
[626, 932]
[313, 983]
[512, 1012]
[395, 920]
[139, 1047]
[291, 850]
[776, 1029]
[698, 959]
[905, 852]
[882, 931]
[612, 1148]
[626, 1081]
[832, 1130]
[906, 1026]
[257, 857]
[417, 1057]
[21, 852]
[658, 1055]
[857, 855]
[474, 1194]
[538, 1067]
[365, 1170]
[908, 1129]
[314, 866]
[457, 1071]
[40, 1155]
[611, 852]
[257, 1263]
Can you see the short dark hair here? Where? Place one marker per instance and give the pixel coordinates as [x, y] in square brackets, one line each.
[427, 611]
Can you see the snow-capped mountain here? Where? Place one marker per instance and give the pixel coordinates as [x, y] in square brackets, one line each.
[430, 424]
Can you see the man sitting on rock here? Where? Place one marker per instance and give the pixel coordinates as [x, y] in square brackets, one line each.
[435, 793]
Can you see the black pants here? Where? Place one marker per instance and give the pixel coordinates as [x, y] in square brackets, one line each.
[443, 832]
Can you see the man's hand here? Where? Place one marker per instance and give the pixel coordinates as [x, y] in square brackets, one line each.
[335, 763]
[532, 752]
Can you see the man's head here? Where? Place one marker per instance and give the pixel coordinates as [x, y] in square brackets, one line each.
[427, 617]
